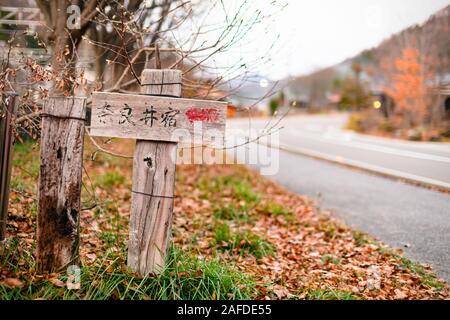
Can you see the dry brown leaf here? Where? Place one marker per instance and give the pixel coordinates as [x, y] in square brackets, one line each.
[57, 282]
[282, 292]
[13, 282]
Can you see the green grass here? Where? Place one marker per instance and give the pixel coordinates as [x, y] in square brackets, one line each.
[330, 294]
[109, 179]
[240, 188]
[184, 277]
[114, 228]
[360, 238]
[26, 162]
[239, 211]
[110, 238]
[244, 242]
[222, 233]
[327, 258]
[276, 209]
[329, 230]
[427, 278]
[243, 191]
[232, 212]
[24, 157]
[253, 244]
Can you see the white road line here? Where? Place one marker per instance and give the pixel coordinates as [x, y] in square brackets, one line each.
[367, 166]
[364, 165]
[333, 139]
[435, 146]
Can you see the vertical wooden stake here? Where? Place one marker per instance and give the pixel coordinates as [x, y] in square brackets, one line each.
[153, 186]
[60, 183]
[6, 139]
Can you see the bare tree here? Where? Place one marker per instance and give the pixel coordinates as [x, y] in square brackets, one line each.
[122, 38]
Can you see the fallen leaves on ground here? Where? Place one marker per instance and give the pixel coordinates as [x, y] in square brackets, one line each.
[281, 239]
[314, 253]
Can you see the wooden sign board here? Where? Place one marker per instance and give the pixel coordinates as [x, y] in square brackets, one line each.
[148, 117]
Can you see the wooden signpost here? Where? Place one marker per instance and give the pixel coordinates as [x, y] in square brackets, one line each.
[153, 118]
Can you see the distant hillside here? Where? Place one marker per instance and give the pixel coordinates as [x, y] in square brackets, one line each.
[253, 91]
[431, 38]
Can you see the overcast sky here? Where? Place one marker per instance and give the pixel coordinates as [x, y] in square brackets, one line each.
[318, 33]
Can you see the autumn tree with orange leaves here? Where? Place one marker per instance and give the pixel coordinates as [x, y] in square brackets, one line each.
[408, 77]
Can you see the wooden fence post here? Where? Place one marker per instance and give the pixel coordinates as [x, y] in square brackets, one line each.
[8, 110]
[153, 186]
[60, 182]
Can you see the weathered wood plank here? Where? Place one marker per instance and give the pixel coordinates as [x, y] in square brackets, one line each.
[151, 206]
[153, 189]
[60, 183]
[7, 112]
[158, 118]
[167, 82]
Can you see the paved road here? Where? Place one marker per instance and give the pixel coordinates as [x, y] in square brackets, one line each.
[403, 215]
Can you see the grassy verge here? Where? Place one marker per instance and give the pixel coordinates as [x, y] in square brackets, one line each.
[184, 277]
[372, 122]
[236, 236]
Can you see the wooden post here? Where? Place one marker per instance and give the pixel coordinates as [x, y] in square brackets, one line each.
[153, 186]
[155, 119]
[8, 110]
[60, 182]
